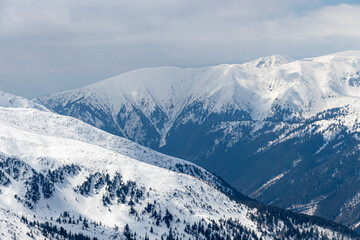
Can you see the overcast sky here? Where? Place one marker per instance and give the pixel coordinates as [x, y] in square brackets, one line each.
[48, 46]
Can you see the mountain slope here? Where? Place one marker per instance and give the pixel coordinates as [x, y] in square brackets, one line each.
[295, 121]
[55, 186]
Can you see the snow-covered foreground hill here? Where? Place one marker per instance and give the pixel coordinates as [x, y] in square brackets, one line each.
[63, 179]
[295, 121]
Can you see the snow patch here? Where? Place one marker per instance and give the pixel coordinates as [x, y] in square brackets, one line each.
[266, 185]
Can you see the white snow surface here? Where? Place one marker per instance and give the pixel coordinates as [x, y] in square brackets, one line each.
[24, 114]
[64, 127]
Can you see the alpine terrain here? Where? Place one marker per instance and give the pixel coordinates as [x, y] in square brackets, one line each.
[283, 131]
[61, 178]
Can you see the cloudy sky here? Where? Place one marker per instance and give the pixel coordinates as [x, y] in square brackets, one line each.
[54, 45]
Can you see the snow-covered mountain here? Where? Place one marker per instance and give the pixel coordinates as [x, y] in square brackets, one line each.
[256, 90]
[63, 179]
[295, 121]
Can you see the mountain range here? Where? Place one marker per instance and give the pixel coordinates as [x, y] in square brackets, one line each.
[282, 131]
[61, 178]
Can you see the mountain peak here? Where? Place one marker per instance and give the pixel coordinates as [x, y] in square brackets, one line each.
[269, 61]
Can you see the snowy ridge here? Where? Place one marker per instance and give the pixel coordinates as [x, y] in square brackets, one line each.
[269, 61]
[26, 116]
[9, 100]
[43, 153]
[54, 125]
[305, 87]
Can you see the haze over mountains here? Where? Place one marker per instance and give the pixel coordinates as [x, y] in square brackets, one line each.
[280, 130]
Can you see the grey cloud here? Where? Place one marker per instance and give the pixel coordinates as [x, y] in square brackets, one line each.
[62, 44]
